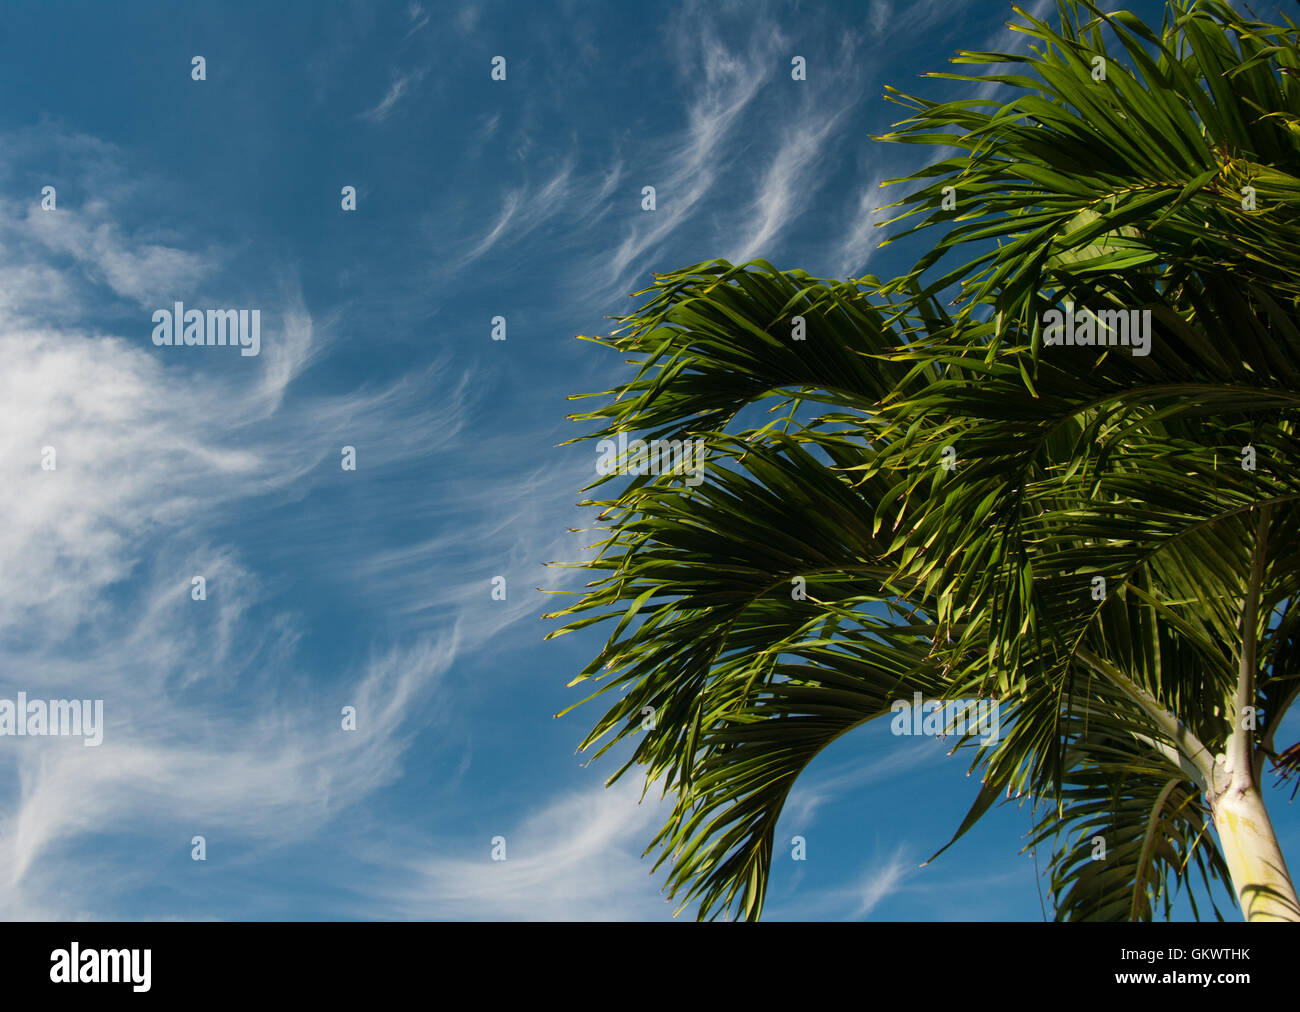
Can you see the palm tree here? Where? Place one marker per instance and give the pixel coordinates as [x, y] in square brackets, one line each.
[946, 500]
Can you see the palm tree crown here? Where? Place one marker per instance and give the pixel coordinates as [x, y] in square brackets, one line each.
[950, 497]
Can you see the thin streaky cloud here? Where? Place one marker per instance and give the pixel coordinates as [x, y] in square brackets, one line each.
[730, 83]
[524, 209]
[402, 85]
[881, 881]
[815, 790]
[419, 18]
[864, 234]
[576, 857]
[788, 185]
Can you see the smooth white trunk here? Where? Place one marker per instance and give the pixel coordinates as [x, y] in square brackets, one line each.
[1249, 844]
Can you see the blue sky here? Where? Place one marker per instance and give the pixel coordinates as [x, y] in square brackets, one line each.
[371, 588]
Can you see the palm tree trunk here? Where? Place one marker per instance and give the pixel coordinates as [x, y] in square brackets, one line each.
[1259, 874]
[1255, 862]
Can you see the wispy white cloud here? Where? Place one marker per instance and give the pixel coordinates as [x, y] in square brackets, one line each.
[881, 881]
[854, 897]
[863, 235]
[524, 209]
[788, 184]
[107, 541]
[913, 18]
[418, 16]
[816, 789]
[403, 84]
[56, 262]
[724, 83]
[576, 857]
[142, 271]
[210, 728]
